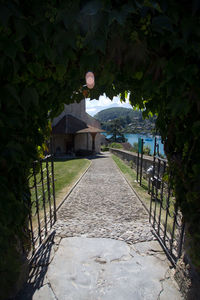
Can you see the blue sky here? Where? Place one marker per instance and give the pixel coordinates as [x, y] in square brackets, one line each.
[94, 106]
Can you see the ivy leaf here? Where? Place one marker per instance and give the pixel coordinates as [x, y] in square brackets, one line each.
[46, 31]
[5, 14]
[30, 97]
[11, 90]
[128, 8]
[119, 16]
[91, 8]
[138, 75]
[35, 69]
[152, 4]
[10, 48]
[21, 29]
[161, 23]
[196, 128]
[195, 6]
[98, 44]
[60, 70]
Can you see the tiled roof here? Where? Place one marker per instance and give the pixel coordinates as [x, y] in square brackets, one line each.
[68, 125]
[90, 129]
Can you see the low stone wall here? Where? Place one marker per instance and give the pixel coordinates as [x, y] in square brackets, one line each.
[131, 158]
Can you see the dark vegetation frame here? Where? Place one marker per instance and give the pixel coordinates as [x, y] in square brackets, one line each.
[148, 48]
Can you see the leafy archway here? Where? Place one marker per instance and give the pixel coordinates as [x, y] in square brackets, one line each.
[148, 48]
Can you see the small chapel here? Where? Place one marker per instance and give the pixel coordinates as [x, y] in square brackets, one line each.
[74, 131]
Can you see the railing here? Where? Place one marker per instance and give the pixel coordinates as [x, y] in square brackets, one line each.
[42, 211]
[164, 215]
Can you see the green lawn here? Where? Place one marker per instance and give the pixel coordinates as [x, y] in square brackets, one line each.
[66, 173]
[130, 175]
[142, 192]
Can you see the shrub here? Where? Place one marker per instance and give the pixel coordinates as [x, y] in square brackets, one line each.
[135, 147]
[116, 145]
[104, 148]
[147, 150]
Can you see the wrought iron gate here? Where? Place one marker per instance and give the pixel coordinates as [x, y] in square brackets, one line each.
[164, 214]
[42, 211]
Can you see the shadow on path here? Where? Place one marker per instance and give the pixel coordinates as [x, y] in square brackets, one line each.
[37, 270]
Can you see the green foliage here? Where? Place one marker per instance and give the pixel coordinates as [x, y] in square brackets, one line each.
[146, 149]
[135, 147]
[147, 48]
[104, 148]
[116, 132]
[115, 145]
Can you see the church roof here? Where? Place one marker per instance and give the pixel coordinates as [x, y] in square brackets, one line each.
[90, 129]
[71, 125]
[68, 125]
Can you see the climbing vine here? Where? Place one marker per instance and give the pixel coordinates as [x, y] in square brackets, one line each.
[148, 48]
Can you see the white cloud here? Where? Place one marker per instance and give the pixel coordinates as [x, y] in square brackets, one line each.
[94, 106]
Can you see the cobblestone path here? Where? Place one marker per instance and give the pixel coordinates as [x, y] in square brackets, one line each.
[104, 205]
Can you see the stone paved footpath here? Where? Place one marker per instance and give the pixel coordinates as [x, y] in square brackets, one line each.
[101, 247]
[103, 205]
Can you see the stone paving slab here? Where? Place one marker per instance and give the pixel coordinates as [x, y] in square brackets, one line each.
[105, 269]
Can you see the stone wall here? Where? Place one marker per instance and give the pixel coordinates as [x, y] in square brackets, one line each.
[132, 157]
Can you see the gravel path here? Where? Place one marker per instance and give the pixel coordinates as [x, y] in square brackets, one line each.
[104, 205]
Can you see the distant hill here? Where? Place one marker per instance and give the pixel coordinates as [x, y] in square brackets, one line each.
[131, 121]
[117, 112]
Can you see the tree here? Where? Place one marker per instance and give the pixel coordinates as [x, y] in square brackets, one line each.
[116, 131]
[147, 48]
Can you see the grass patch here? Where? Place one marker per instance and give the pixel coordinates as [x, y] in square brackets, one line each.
[131, 175]
[66, 173]
[142, 191]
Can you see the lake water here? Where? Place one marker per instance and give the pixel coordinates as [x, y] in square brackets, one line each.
[148, 140]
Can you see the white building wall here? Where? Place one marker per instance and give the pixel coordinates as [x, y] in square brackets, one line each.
[80, 141]
[98, 143]
[84, 141]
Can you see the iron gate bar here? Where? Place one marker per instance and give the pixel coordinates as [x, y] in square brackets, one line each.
[44, 190]
[43, 196]
[156, 196]
[53, 187]
[161, 199]
[31, 225]
[167, 214]
[138, 155]
[173, 229]
[49, 195]
[180, 245]
[164, 214]
[149, 184]
[170, 257]
[152, 191]
[36, 202]
[141, 160]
